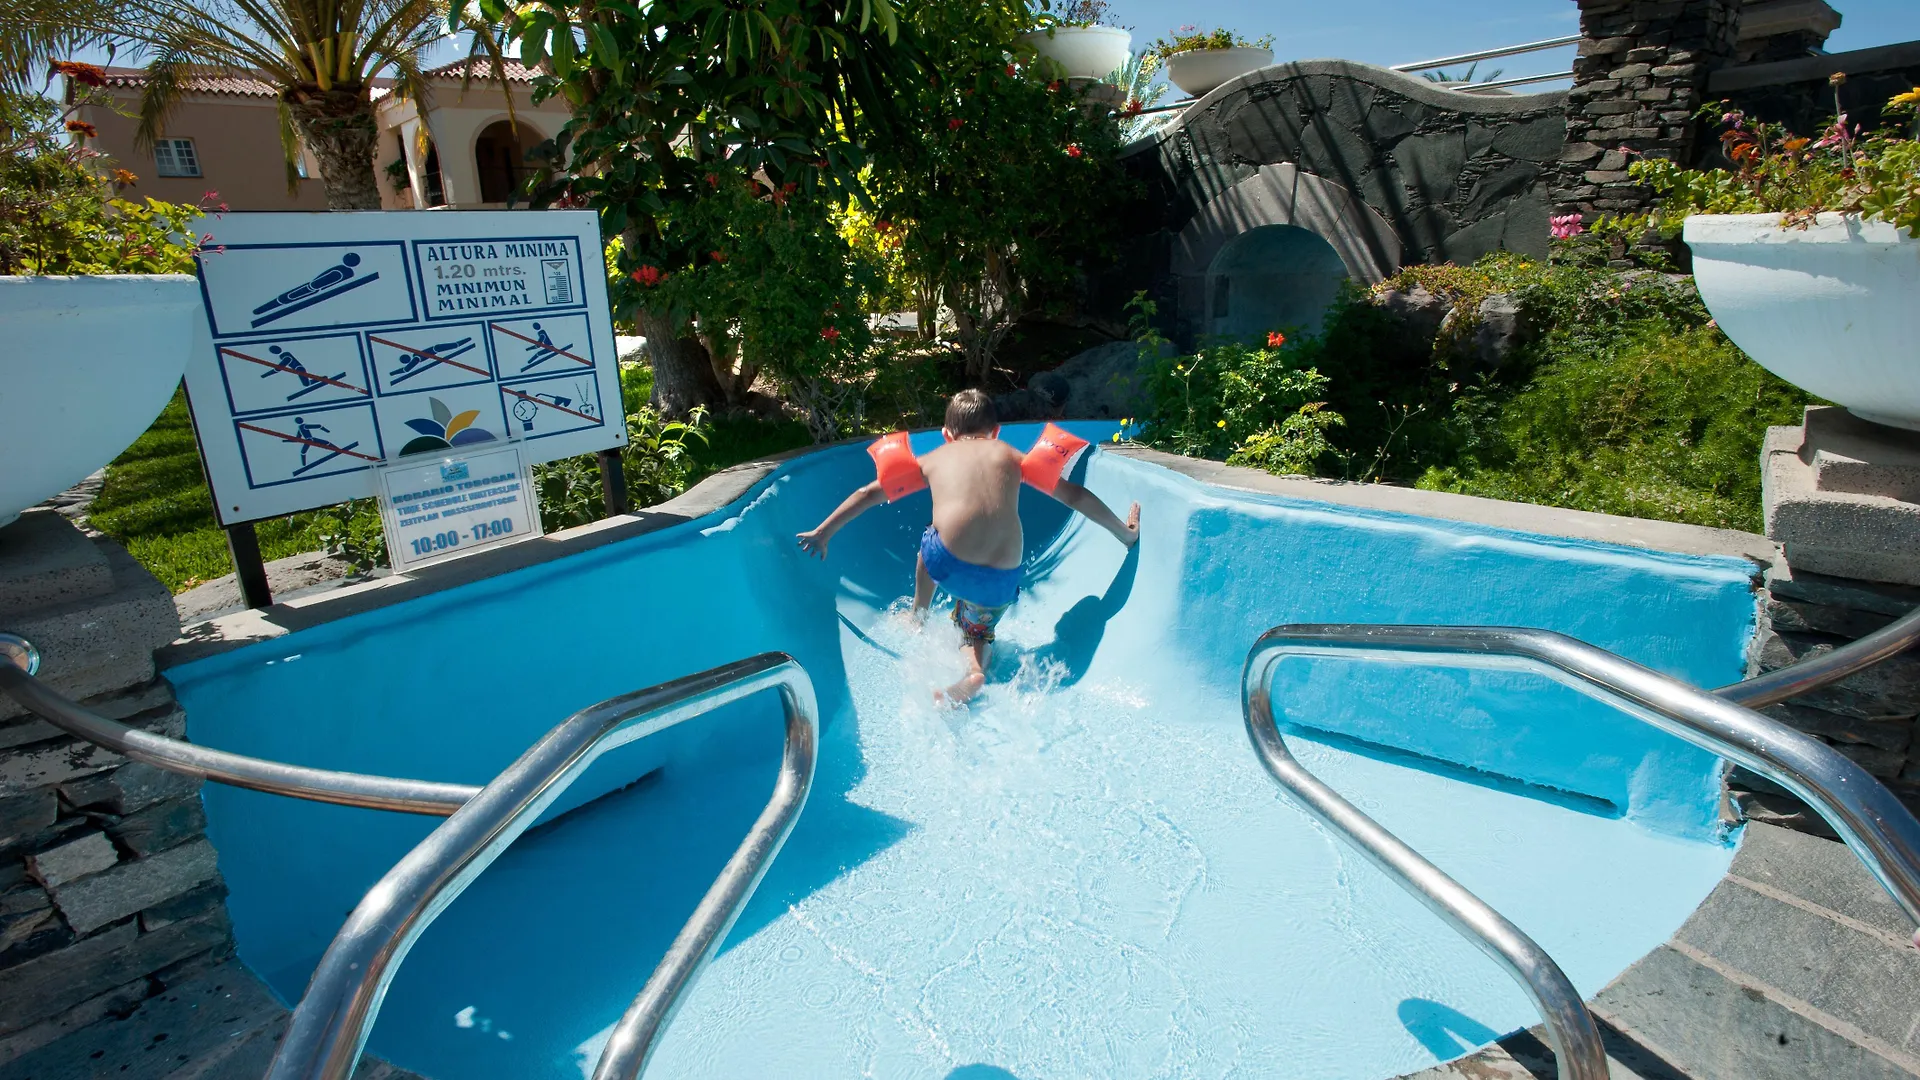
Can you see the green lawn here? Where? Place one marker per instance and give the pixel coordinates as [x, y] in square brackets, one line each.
[156, 503]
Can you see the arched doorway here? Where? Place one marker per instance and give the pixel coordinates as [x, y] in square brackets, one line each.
[500, 160]
[1272, 277]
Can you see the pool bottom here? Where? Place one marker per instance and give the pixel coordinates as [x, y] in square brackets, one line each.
[1071, 879]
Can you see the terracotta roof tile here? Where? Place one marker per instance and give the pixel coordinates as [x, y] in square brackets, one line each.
[210, 82]
[482, 70]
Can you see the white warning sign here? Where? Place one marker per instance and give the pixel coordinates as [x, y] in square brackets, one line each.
[335, 342]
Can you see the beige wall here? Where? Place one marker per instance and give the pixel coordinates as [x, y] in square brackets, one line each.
[456, 121]
[237, 140]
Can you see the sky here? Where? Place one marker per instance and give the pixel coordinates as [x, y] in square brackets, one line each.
[1388, 32]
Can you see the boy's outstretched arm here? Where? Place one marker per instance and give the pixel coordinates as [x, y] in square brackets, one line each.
[1089, 504]
[814, 542]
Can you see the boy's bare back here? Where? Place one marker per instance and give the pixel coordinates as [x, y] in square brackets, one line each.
[975, 485]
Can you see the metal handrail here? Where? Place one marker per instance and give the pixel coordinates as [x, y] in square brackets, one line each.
[1489, 54]
[256, 774]
[1501, 84]
[1570, 1029]
[1822, 669]
[330, 1025]
[1879, 829]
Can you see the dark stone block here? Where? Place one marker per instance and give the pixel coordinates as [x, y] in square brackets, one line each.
[25, 815]
[185, 906]
[161, 826]
[1892, 734]
[128, 789]
[1496, 186]
[1431, 162]
[50, 984]
[1539, 139]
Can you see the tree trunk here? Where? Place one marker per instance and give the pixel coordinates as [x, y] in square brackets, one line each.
[338, 126]
[682, 372]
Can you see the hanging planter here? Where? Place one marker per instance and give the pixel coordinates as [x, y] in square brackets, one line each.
[89, 362]
[1083, 52]
[1201, 72]
[1833, 308]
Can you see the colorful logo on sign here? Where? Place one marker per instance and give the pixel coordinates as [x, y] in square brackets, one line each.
[444, 430]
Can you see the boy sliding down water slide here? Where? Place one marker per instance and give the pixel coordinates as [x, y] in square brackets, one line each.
[973, 548]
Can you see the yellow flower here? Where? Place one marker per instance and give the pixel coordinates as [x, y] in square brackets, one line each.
[1222, 423]
[1911, 97]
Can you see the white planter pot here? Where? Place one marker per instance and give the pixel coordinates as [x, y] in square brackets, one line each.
[1833, 308]
[87, 363]
[1083, 52]
[1199, 72]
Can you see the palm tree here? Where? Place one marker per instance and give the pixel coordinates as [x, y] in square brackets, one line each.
[1465, 76]
[322, 55]
[35, 31]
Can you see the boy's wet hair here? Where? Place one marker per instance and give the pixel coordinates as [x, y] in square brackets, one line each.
[971, 412]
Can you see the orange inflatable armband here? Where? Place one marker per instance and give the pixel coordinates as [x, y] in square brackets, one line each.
[896, 467]
[1050, 456]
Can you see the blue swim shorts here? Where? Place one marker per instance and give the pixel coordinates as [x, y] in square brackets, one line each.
[981, 594]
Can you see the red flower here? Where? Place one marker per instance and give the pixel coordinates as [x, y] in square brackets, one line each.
[81, 127]
[1073, 149]
[85, 74]
[830, 333]
[713, 180]
[717, 256]
[1134, 105]
[1275, 339]
[1054, 85]
[648, 276]
[1009, 70]
[954, 124]
[883, 225]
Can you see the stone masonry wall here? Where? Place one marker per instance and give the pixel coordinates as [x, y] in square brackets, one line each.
[109, 890]
[1870, 717]
[1640, 75]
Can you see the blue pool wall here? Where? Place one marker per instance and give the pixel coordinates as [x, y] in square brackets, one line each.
[455, 685]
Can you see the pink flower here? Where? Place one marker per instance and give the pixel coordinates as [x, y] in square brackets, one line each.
[1566, 227]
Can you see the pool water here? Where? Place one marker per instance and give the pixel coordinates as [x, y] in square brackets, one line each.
[1085, 874]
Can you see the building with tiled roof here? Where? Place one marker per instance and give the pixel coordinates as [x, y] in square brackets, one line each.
[225, 137]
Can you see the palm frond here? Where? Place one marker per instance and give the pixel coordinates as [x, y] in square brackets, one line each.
[166, 80]
[289, 147]
[33, 32]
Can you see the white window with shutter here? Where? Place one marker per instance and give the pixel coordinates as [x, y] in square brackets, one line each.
[175, 157]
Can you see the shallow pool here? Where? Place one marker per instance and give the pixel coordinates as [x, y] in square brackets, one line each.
[1087, 874]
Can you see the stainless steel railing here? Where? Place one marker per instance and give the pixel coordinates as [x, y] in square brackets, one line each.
[1489, 54]
[1822, 669]
[257, 774]
[1879, 829]
[1570, 1028]
[330, 1024]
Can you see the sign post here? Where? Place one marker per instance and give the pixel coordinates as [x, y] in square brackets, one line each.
[336, 342]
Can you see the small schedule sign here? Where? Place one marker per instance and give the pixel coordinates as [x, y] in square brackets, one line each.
[439, 505]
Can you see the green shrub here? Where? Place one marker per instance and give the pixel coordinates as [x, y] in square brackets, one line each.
[1665, 424]
[1626, 399]
[61, 212]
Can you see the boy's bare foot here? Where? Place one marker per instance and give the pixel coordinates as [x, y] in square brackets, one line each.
[957, 695]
